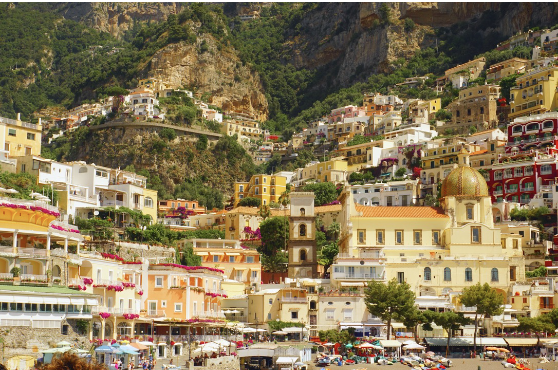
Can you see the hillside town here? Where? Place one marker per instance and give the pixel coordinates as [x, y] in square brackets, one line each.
[438, 199]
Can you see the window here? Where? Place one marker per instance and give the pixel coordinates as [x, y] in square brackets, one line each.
[231, 259]
[361, 236]
[265, 190]
[503, 242]
[215, 258]
[257, 181]
[148, 202]
[398, 236]
[380, 237]
[494, 274]
[417, 237]
[475, 234]
[469, 212]
[30, 136]
[515, 244]
[468, 274]
[302, 255]
[241, 188]
[330, 314]
[178, 307]
[11, 132]
[427, 274]
[158, 282]
[400, 277]
[435, 237]
[302, 230]
[447, 274]
[270, 300]
[250, 259]
[302, 212]
[164, 304]
[512, 273]
[348, 314]
[294, 314]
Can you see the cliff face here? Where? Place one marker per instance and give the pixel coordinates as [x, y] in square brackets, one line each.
[233, 86]
[352, 35]
[117, 18]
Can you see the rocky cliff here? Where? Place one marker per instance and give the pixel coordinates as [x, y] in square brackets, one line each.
[219, 71]
[117, 18]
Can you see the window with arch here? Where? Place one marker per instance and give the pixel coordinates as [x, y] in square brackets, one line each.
[427, 274]
[302, 230]
[272, 191]
[303, 255]
[447, 274]
[468, 274]
[312, 305]
[494, 274]
[302, 212]
[470, 212]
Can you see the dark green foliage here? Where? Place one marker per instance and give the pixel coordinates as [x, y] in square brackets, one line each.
[409, 25]
[201, 145]
[358, 139]
[195, 190]
[443, 115]
[275, 325]
[275, 234]
[538, 272]
[187, 257]
[25, 184]
[161, 234]
[250, 202]
[167, 133]
[400, 172]
[524, 214]
[324, 192]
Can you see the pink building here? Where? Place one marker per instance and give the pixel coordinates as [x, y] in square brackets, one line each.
[349, 111]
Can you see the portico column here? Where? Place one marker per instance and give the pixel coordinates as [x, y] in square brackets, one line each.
[14, 244]
[113, 326]
[77, 248]
[48, 245]
[90, 331]
[103, 329]
[65, 246]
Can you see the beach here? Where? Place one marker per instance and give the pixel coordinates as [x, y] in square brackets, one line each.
[458, 364]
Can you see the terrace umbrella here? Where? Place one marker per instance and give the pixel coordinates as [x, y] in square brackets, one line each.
[329, 344]
[349, 345]
[503, 350]
[11, 191]
[139, 346]
[279, 333]
[492, 348]
[104, 349]
[35, 195]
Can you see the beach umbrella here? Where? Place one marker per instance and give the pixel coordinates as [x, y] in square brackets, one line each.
[328, 343]
[366, 345]
[279, 332]
[503, 350]
[492, 348]
[349, 345]
[104, 349]
[139, 346]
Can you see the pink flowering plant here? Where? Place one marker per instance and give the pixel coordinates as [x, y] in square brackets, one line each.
[87, 281]
[128, 285]
[116, 288]
[190, 268]
[104, 315]
[31, 208]
[131, 316]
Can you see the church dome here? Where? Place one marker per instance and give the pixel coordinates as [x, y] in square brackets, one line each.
[464, 182]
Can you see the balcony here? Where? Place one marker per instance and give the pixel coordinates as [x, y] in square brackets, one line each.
[357, 276]
[548, 306]
[116, 311]
[32, 252]
[155, 313]
[525, 188]
[210, 315]
[239, 318]
[498, 192]
[293, 299]
[112, 203]
[498, 176]
[33, 279]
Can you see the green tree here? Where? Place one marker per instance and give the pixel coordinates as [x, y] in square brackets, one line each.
[275, 263]
[389, 301]
[327, 254]
[201, 145]
[537, 324]
[409, 25]
[187, 257]
[450, 321]
[167, 133]
[324, 192]
[538, 272]
[358, 139]
[249, 202]
[488, 302]
[265, 211]
[400, 172]
[275, 234]
[443, 115]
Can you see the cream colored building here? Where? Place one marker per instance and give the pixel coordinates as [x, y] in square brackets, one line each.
[476, 106]
[334, 170]
[534, 92]
[507, 68]
[21, 138]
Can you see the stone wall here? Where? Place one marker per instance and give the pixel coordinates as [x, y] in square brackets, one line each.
[220, 363]
[23, 340]
[131, 251]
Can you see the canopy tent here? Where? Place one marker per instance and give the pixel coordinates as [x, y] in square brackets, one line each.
[150, 344]
[279, 332]
[104, 349]
[390, 343]
[466, 342]
[286, 360]
[248, 330]
[139, 346]
[63, 344]
[413, 346]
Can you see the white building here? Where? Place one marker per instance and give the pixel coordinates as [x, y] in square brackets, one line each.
[142, 102]
[394, 193]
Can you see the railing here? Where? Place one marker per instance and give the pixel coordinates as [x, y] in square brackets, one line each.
[106, 282]
[547, 306]
[107, 203]
[211, 315]
[29, 203]
[546, 187]
[498, 192]
[241, 318]
[294, 299]
[364, 255]
[8, 276]
[466, 309]
[32, 252]
[525, 188]
[156, 313]
[117, 311]
[357, 276]
[216, 291]
[30, 278]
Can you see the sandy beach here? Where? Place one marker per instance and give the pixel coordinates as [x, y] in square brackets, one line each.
[458, 364]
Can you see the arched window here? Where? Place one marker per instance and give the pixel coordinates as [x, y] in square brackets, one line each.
[56, 271]
[468, 274]
[272, 191]
[494, 274]
[312, 305]
[447, 274]
[427, 274]
[302, 230]
[302, 212]
[303, 255]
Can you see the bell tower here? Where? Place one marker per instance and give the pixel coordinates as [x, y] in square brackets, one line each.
[303, 259]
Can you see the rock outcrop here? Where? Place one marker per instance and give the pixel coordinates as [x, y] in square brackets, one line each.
[218, 71]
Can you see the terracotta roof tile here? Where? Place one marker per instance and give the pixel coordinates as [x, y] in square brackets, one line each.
[478, 152]
[401, 212]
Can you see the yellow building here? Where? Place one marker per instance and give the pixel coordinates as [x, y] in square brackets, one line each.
[506, 68]
[244, 128]
[334, 170]
[21, 138]
[438, 251]
[150, 203]
[286, 304]
[267, 188]
[534, 93]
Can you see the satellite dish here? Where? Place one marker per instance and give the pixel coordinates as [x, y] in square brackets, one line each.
[361, 263]
[96, 213]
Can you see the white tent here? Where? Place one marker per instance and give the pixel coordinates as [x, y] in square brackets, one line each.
[413, 346]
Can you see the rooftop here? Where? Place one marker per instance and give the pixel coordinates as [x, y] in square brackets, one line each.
[41, 289]
[401, 212]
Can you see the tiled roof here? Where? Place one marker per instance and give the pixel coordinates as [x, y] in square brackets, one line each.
[286, 212]
[478, 152]
[331, 208]
[483, 132]
[401, 212]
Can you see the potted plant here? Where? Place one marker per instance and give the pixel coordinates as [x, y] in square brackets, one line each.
[15, 271]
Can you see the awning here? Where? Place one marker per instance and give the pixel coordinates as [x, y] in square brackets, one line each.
[202, 253]
[286, 360]
[64, 300]
[293, 329]
[467, 342]
[50, 300]
[522, 342]
[77, 301]
[7, 298]
[35, 299]
[217, 253]
[233, 254]
[91, 301]
[398, 325]
[240, 268]
[352, 284]
[390, 343]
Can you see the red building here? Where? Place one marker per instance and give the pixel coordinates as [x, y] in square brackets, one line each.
[530, 161]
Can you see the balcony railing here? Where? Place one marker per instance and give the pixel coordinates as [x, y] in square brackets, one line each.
[34, 279]
[8, 276]
[156, 313]
[210, 315]
[526, 188]
[547, 306]
[108, 203]
[32, 252]
[498, 192]
[294, 299]
[116, 311]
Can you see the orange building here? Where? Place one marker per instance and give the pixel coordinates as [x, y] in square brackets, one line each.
[170, 207]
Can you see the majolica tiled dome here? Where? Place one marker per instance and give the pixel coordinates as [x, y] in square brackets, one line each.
[464, 182]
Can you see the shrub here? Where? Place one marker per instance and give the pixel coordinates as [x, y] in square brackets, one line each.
[250, 202]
